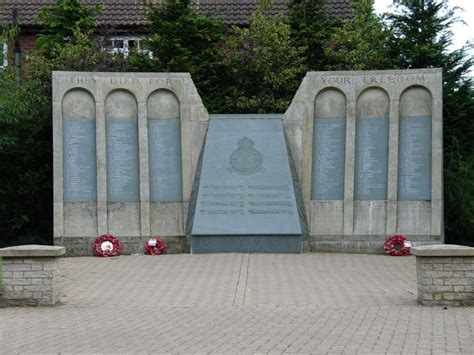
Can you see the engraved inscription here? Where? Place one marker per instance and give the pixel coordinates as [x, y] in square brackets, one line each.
[122, 160]
[164, 149]
[80, 80]
[371, 158]
[275, 200]
[328, 159]
[79, 160]
[124, 81]
[414, 169]
[248, 190]
[374, 79]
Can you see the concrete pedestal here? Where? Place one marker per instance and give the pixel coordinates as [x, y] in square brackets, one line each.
[445, 275]
[30, 275]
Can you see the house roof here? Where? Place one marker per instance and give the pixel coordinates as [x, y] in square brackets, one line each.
[125, 13]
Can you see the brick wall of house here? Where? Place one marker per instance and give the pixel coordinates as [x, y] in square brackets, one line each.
[27, 46]
[27, 43]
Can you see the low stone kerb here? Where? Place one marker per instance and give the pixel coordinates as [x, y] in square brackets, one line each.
[446, 250]
[24, 251]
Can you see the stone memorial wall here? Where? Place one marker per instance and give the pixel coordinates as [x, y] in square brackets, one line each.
[126, 148]
[356, 158]
[367, 147]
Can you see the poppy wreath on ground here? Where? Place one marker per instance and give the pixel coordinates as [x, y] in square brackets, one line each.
[106, 245]
[154, 246]
[397, 245]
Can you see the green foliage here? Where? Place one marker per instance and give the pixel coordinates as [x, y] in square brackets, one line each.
[61, 21]
[459, 189]
[183, 41]
[25, 124]
[266, 67]
[420, 38]
[360, 43]
[25, 161]
[311, 29]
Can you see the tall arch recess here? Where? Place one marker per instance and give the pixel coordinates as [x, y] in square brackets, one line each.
[121, 117]
[329, 132]
[414, 154]
[371, 160]
[79, 147]
[164, 147]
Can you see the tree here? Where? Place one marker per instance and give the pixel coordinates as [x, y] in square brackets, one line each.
[311, 29]
[420, 37]
[61, 21]
[360, 43]
[266, 67]
[26, 199]
[183, 41]
[25, 161]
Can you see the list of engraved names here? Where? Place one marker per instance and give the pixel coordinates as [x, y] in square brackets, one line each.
[371, 158]
[122, 160]
[79, 160]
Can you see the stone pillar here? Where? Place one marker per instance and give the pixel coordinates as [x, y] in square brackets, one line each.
[30, 275]
[445, 275]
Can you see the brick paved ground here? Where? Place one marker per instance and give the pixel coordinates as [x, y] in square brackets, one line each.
[238, 303]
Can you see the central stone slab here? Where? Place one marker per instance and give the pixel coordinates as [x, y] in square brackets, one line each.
[246, 199]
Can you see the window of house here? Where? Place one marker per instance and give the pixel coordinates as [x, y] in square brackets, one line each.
[3, 55]
[125, 44]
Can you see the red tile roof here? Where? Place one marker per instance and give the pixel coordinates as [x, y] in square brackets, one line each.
[131, 13]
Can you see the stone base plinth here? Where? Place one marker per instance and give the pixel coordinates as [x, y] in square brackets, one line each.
[30, 275]
[445, 275]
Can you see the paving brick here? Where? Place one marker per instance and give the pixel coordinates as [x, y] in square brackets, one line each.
[239, 304]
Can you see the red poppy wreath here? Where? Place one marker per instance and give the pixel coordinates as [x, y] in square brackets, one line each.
[154, 246]
[106, 245]
[397, 245]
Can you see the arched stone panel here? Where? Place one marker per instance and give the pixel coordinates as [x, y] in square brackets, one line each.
[329, 132]
[414, 154]
[79, 147]
[164, 147]
[371, 160]
[121, 115]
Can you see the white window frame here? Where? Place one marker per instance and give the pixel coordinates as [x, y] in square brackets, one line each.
[125, 49]
[4, 50]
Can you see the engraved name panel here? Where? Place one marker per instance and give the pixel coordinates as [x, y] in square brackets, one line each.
[164, 149]
[122, 160]
[414, 169]
[328, 159]
[371, 165]
[79, 160]
[246, 186]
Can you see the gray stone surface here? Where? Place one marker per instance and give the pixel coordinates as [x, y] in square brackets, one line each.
[371, 162]
[247, 244]
[445, 250]
[164, 139]
[80, 176]
[123, 181]
[30, 281]
[414, 172]
[245, 186]
[30, 275]
[328, 159]
[136, 98]
[32, 250]
[392, 96]
[445, 275]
